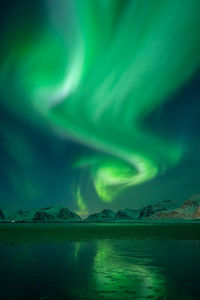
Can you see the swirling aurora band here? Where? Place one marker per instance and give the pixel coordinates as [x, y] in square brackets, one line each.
[96, 70]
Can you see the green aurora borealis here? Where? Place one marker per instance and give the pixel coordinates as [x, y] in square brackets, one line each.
[98, 82]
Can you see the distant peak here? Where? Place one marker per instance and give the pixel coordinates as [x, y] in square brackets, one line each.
[106, 210]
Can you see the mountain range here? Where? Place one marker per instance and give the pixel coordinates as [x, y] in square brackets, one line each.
[53, 214]
[189, 210]
[130, 215]
[159, 212]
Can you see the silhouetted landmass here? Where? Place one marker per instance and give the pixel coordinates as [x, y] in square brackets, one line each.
[159, 212]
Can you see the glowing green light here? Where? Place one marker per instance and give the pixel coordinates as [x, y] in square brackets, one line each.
[82, 206]
[96, 76]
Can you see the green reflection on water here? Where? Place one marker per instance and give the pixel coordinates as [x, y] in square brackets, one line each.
[99, 261]
[124, 276]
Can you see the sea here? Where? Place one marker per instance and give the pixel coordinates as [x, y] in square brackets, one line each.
[99, 261]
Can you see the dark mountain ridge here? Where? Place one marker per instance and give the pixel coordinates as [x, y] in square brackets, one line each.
[162, 211]
[51, 214]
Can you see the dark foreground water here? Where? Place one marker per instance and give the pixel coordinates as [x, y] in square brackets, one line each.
[114, 261]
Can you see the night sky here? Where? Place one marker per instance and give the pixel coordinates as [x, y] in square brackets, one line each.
[99, 103]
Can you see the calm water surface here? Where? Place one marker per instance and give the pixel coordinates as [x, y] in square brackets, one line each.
[113, 261]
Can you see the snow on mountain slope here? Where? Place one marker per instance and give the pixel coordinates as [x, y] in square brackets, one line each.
[165, 210]
[104, 216]
[129, 215]
[123, 215]
[189, 210]
[48, 214]
[133, 213]
[150, 210]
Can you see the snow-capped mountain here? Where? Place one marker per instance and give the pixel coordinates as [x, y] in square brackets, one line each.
[126, 215]
[162, 211]
[130, 215]
[122, 215]
[104, 216]
[56, 214]
[133, 213]
[150, 210]
[189, 210]
[43, 215]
